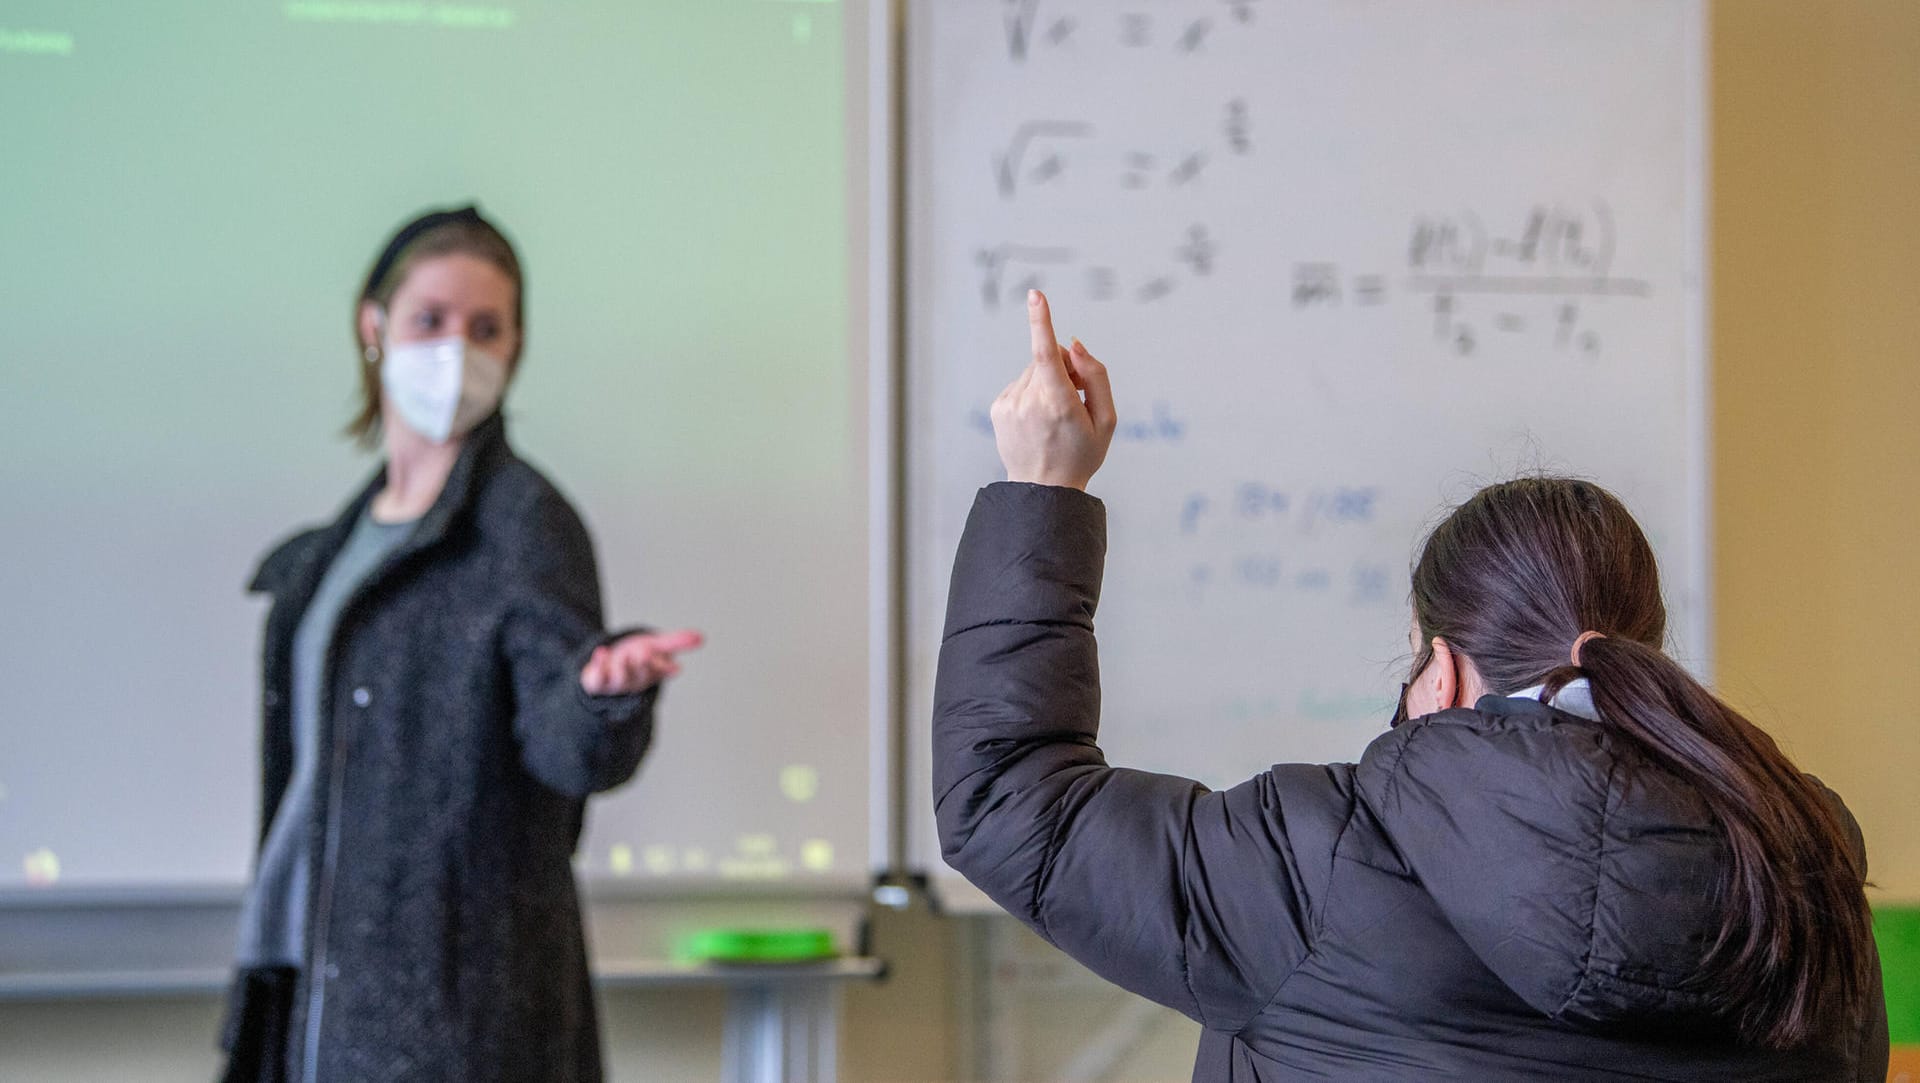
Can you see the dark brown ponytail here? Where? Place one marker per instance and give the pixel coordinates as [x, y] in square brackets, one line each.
[1511, 579]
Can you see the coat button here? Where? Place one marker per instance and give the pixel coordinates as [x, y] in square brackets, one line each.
[333, 971]
[272, 698]
[362, 697]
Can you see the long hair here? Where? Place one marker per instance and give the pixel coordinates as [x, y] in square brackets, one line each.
[1511, 578]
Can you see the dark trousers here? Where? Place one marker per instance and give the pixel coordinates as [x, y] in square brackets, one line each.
[256, 1032]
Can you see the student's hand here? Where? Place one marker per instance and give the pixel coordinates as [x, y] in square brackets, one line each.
[637, 662]
[1046, 432]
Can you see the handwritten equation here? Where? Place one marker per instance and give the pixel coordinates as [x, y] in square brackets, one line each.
[1251, 538]
[1357, 584]
[1252, 503]
[1192, 191]
[1533, 283]
[1008, 271]
[1035, 26]
[1536, 284]
[1046, 152]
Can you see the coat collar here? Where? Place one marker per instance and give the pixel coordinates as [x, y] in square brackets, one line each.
[481, 454]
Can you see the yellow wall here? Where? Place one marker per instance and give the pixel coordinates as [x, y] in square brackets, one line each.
[1815, 112]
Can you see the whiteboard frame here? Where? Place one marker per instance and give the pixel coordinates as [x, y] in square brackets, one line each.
[884, 247]
[1697, 644]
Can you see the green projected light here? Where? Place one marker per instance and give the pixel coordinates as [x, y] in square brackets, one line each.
[461, 16]
[36, 42]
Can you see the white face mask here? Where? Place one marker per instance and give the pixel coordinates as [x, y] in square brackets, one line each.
[442, 388]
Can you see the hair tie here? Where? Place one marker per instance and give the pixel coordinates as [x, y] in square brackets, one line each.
[1579, 642]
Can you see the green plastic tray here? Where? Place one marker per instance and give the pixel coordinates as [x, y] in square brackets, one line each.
[755, 946]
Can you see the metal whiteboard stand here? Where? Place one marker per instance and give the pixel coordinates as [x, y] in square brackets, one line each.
[774, 1033]
[782, 1020]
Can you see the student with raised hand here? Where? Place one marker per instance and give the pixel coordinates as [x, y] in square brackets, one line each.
[1565, 860]
[439, 697]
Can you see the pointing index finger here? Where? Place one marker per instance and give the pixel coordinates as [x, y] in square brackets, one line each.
[1046, 348]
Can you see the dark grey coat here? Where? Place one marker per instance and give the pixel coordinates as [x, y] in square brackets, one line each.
[1502, 893]
[443, 922]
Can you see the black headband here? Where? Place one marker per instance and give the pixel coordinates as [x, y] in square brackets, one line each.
[411, 232]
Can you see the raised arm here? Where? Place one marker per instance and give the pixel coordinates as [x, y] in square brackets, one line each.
[1196, 899]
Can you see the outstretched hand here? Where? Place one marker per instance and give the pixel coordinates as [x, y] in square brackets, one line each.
[1054, 422]
[636, 662]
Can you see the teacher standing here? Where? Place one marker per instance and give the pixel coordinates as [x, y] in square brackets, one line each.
[439, 697]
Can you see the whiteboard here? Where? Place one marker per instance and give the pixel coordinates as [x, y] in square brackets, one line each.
[1346, 262]
[185, 213]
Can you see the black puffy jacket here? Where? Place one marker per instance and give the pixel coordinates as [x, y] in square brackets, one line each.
[1502, 893]
[444, 930]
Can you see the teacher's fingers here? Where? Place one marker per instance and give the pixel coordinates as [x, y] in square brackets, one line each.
[1091, 376]
[593, 675]
[643, 645]
[632, 655]
[634, 664]
[682, 639]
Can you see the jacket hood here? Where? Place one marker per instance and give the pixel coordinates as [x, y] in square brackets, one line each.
[1583, 875]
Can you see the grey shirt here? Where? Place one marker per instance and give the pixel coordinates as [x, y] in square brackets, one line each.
[273, 917]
